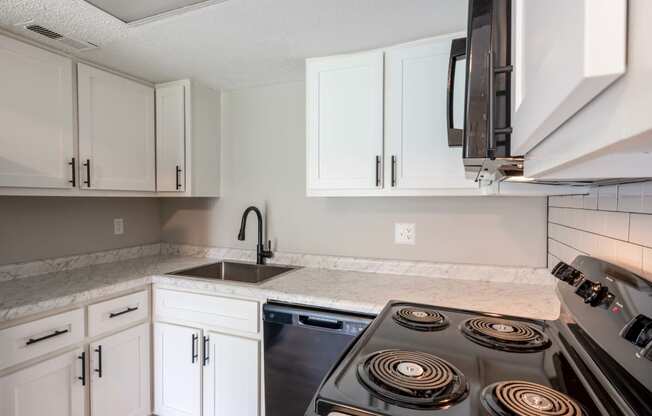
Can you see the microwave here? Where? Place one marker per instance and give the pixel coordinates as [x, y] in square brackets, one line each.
[485, 132]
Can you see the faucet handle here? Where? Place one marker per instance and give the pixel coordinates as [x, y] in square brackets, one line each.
[268, 251]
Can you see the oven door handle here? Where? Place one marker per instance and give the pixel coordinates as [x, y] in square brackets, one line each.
[458, 52]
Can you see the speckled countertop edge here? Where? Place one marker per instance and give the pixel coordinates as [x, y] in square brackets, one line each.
[337, 289]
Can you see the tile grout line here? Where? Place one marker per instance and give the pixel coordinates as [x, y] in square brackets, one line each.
[600, 235]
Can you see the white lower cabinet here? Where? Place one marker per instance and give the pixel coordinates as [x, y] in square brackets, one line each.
[52, 387]
[120, 374]
[231, 376]
[206, 366]
[177, 370]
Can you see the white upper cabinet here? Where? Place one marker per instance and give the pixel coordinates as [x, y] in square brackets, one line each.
[611, 136]
[170, 138]
[345, 122]
[36, 115]
[187, 139]
[120, 374]
[377, 123]
[565, 54]
[416, 137]
[116, 132]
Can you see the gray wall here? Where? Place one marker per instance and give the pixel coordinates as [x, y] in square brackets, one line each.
[33, 228]
[263, 163]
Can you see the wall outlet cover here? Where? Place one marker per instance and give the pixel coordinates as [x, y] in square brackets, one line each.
[118, 226]
[405, 233]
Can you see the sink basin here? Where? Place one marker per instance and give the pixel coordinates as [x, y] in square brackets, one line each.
[235, 271]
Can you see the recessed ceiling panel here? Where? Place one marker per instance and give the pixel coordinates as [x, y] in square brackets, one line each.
[130, 11]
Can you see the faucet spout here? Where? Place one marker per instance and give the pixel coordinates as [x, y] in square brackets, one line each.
[261, 253]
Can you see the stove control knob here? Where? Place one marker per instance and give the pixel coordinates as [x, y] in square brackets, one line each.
[593, 293]
[638, 331]
[567, 273]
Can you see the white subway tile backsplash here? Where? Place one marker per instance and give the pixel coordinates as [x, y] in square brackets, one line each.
[563, 252]
[641, 229]
[590, 200]
[630, 197]
[619, 230]
[608, 198]
[567, 201]
[647, 260]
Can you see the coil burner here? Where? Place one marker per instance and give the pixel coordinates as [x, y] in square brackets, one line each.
[522, 398]
[412, 379]
[512, 336]
[420, 319]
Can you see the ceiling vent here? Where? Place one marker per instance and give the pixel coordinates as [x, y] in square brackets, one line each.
[51, 34]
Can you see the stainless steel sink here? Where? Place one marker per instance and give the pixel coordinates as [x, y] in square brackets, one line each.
[235, 271]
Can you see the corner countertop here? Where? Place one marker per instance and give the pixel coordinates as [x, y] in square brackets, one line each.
[345, 290]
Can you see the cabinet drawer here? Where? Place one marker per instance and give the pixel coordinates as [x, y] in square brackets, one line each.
[205, 310]
[117, 313]
[24, 342]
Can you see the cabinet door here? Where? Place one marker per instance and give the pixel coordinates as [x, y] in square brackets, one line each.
[120, 374]
[116, 132]
[177, 370]
[170, 138]
[417, 132]
[36, 115]
[52, 387]
[231, 376]
[556, 75]
[345, 121]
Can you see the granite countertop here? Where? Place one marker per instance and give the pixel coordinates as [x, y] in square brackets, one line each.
[345, 290]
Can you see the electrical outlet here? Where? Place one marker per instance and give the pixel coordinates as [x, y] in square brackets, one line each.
[405, 233]
[118, 226]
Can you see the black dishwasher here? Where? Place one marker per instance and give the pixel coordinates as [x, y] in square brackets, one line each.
[301, 344]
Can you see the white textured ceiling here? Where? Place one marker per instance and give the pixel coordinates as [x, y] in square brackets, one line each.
[239, 43]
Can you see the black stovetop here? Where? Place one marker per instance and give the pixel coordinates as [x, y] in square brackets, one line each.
[481, 365]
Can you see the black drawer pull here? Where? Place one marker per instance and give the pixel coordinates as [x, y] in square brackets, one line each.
[52, 335]
[88, 173]
[393, 171]
[178, 182]
[195, 348]
[114, 314]
[98, 370]
[82, 357]
[206, 351]
[73, 180]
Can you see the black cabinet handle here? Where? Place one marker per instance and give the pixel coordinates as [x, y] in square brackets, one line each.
[52, 335]
[73, 180]
[82, 357]
[113, 315]
[458, 52]
[195, 355]
[98, 370]
[377, 170]
[393, 171]
[206, 356]
[178, 182]
[88, 173]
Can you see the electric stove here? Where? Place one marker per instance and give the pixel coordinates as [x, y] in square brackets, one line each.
[422, 360]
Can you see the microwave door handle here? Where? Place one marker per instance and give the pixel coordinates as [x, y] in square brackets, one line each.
[458, 51]
[491, 74]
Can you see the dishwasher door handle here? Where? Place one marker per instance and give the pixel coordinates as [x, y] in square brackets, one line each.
[320, 322]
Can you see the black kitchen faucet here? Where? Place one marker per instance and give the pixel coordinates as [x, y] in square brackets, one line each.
[261, 253]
